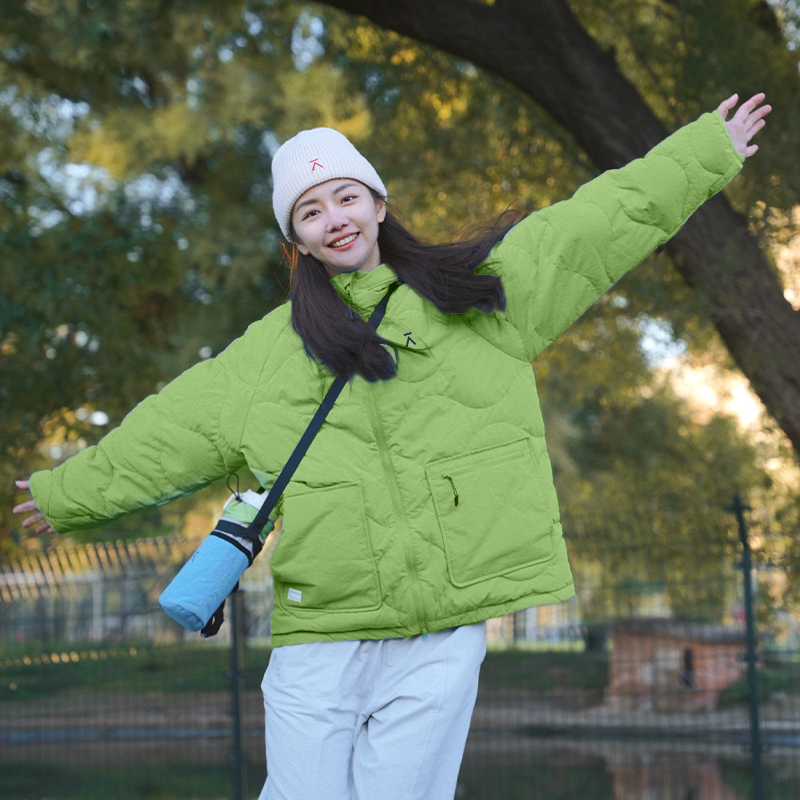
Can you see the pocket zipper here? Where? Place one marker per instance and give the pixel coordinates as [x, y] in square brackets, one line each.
[453, 485]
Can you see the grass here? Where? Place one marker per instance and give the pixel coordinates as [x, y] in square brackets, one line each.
[544, 671]
[172, 668]
[24, 675]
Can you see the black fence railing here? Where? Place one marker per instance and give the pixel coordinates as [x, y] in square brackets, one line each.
[102, 696]
[158, 720]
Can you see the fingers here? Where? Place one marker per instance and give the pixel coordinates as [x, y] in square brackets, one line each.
[44, 528]
[750, 104]
[747, 108]
[747, 111]
[758, 114]
[753, 123]
[726, 105]
[30, 505]
[746, 122]
[755, 120]
[33, 519]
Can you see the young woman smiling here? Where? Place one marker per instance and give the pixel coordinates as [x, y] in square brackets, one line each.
[426, 503]
[337, 222]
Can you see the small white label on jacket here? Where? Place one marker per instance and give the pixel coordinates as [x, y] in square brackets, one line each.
[295, 594]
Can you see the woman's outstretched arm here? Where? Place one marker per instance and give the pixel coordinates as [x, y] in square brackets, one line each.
[171, 444]
[557, 261]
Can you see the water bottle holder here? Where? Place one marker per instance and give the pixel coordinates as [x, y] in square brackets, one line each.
[257, 545]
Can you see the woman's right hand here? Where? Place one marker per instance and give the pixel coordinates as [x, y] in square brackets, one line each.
[30, 505]
[745, 123]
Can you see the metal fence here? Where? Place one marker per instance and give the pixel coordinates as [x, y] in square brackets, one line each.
[103, 696]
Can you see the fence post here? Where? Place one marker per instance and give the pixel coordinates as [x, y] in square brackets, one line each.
[752, 688]
[236, 673]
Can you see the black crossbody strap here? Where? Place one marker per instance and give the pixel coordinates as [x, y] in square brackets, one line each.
[254, 531]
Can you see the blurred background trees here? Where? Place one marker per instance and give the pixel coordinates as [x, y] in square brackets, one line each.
[137, 237]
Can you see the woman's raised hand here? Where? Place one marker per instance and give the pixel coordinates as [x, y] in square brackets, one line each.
[30, 505]
[746, 122]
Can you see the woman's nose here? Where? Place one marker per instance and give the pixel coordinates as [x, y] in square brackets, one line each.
[336, 219]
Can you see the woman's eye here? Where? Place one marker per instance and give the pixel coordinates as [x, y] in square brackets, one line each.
[348, 197]
[309, 213]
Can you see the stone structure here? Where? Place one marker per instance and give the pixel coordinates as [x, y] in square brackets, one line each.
[669, 665]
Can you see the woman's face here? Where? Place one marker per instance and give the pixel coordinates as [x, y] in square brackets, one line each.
[337, 223]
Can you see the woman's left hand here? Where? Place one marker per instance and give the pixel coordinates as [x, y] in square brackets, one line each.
[746, 122]
[30, 505]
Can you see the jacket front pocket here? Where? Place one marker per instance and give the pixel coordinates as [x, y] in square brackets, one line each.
[491, 511]
[324, 559]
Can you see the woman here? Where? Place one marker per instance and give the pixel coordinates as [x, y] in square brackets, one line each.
[426, 504]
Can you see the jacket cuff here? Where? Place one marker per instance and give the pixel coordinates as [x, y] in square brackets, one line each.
[717, 152]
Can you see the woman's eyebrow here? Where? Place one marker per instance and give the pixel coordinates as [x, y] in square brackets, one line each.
[336, 191]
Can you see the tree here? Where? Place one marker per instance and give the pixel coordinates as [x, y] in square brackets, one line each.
[171, 111]
[643, 486]
[545, 51]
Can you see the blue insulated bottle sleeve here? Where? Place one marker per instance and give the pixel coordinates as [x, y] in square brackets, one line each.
[205, 580]
[209, 576]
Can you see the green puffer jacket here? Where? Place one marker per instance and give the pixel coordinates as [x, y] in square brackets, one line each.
[425, 501]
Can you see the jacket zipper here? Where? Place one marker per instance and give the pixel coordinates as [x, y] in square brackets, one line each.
[399, 511]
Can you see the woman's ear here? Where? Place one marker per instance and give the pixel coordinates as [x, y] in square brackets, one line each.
[295, 239]
[298, 244]
[380, 210]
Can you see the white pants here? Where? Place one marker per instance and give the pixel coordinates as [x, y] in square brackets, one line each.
[383, 719]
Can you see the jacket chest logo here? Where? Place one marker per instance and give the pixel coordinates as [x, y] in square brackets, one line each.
[354, 316]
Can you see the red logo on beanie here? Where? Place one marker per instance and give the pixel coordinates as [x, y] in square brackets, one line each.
[315, 162]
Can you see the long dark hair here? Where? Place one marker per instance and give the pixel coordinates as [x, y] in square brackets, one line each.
[442, 273]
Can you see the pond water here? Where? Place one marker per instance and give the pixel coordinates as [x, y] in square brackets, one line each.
[496, 766]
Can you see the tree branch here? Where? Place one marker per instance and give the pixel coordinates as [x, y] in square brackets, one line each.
[541, 48]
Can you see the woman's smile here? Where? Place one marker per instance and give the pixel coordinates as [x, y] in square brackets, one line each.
[345, 242]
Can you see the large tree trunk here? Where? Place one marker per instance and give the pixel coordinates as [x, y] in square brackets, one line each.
[540, 47]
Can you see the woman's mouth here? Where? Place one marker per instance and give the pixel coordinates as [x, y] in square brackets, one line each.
[344, 243]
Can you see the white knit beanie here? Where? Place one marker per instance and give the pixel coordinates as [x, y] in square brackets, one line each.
[312, 157]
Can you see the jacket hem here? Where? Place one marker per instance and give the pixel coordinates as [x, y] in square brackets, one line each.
[405, 632]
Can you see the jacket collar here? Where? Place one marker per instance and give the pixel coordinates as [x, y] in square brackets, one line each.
[364, 290]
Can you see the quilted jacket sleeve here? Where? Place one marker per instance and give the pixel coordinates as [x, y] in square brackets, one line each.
[557, 261]
[171, 444]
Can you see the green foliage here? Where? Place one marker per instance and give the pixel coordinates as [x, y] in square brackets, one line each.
[778, 678]
[643, 487]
